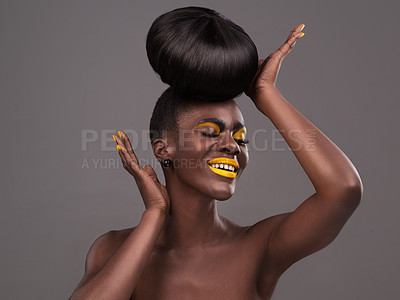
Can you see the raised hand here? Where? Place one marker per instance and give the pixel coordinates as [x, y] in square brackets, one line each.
[154, 194]
[268, 68]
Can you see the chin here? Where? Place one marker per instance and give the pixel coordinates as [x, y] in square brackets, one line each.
[223, 192]
[218, 187]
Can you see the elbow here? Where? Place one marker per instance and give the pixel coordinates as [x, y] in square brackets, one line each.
[356, 187]
[352, 192]
[347, 193]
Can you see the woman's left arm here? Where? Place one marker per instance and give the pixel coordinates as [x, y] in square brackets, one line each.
[338, 187]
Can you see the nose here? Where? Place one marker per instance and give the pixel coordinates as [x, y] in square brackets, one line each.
[229, 145]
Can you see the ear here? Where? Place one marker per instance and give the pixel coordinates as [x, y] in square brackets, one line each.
[160, 149]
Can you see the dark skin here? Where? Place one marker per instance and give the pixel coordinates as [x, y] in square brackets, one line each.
[182, 248]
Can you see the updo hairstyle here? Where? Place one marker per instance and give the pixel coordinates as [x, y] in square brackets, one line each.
[201, 53]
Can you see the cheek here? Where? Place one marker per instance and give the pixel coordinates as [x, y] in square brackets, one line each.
[243, 159]
[191, 159]
[194, 148]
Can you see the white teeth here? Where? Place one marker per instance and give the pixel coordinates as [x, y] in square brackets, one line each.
[224, 167]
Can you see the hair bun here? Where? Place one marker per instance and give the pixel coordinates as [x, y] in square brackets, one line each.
[201, 53]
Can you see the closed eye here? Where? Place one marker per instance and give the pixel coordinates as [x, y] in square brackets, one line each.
[242, 142]
[209, 134]
[214, 135]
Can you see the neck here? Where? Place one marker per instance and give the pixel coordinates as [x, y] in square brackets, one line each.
[193, 220]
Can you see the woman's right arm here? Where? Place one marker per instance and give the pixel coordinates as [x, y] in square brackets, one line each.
[115, 277]
[113, 270]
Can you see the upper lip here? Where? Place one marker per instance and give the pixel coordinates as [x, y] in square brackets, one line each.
[224, 160]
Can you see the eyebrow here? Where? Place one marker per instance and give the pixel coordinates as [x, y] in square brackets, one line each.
[221, 123]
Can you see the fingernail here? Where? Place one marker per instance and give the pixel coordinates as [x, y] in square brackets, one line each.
[114, 138]
[301, 34]
[118, 147]
[302, 27]
[119, 132]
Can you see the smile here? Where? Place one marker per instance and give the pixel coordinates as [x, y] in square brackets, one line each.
[224, 166]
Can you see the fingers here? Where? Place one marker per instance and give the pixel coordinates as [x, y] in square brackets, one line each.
[290, 42]
[128, 158]
[298, 28]
[126, 141]
[127, 144]
[121, 155]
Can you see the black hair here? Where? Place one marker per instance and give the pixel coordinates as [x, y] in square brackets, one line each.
[167, 112]
[201, 53]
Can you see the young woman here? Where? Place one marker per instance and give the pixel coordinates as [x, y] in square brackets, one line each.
[182, 248]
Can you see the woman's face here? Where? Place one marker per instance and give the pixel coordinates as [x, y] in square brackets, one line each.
[211, 151]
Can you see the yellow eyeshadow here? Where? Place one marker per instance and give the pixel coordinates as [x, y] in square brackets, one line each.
[240, 134]
[209, 124]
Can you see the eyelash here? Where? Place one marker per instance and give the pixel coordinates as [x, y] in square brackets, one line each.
[242, 142]
[209, 134]
[213, 135]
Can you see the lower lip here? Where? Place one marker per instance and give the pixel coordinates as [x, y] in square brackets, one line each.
[223, 173]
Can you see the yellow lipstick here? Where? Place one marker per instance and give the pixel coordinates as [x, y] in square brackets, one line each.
[224, 166]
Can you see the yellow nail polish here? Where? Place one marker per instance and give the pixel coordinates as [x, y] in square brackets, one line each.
[301, 34]
[119, 132]
[114, 138]
[302, 27]
[118, 147]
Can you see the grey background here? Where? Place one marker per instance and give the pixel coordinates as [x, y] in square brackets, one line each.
[69, 66]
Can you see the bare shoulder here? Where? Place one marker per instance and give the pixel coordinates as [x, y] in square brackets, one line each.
[114, 238]
[102, 249]
[106, 245]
